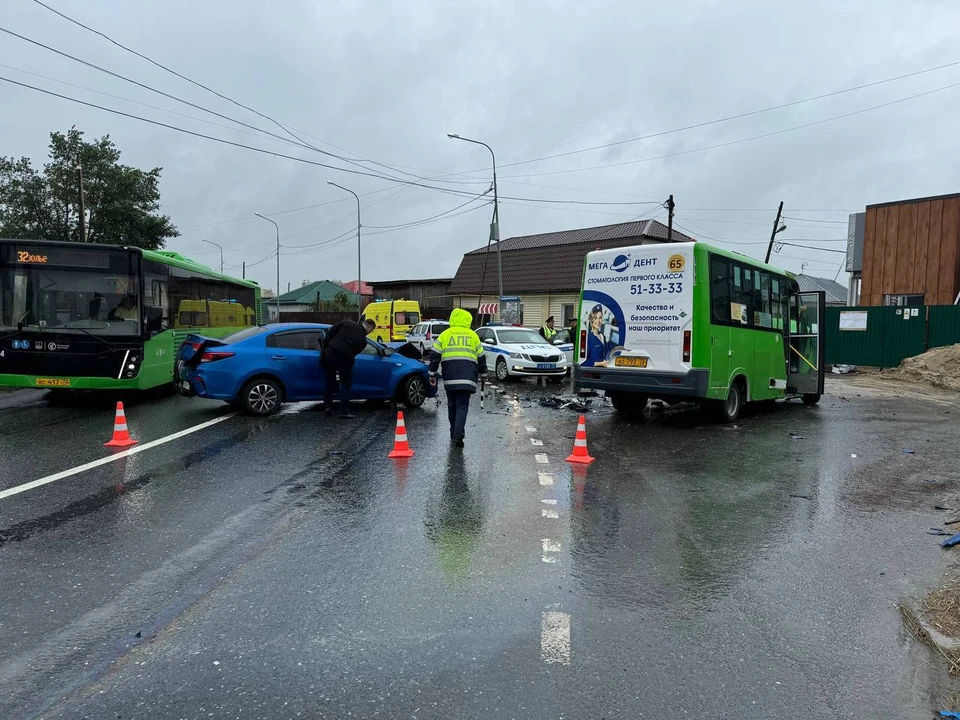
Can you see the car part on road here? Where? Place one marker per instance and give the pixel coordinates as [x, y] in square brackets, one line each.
[951, 541]
[261, 396]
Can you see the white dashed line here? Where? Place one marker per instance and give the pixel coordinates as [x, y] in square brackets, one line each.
[549, 513]
[549, 501]
[545, 478]
[550, 546]
[531, 429]
[536, 443]
[542, 458]
[555, 638]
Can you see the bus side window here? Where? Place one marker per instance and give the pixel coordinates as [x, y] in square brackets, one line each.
[720, 290]
[776, 306]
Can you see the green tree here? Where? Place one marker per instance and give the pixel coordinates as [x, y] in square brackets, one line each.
[341, 302]
[121, 202]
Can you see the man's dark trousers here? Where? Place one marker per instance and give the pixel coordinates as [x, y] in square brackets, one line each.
[332, 364]
[458, 403]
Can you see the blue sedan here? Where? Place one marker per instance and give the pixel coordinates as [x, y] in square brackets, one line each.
[260, 368]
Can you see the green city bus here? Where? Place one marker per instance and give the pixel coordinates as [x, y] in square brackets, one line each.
[76, 316]
[687, 321]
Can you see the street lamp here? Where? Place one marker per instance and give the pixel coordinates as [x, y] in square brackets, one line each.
[495, 225]
[262, 217]
[221, 252]
[359, 284]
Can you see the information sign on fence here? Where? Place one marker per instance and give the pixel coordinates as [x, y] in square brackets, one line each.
[853, 320]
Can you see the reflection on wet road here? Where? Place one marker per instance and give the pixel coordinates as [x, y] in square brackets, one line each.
[265, 568]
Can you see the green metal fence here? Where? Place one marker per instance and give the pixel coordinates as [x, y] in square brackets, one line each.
[884, 336]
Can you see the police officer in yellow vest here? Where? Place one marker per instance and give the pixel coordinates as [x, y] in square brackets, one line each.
[547, 331]
[458, 354]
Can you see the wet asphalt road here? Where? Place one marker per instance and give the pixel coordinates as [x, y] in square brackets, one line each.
[284, 567]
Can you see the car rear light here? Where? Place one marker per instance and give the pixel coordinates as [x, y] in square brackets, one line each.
[686, 346]
[214, 356]
[196, 346]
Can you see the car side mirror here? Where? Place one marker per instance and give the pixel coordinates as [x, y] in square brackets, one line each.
[489, 341]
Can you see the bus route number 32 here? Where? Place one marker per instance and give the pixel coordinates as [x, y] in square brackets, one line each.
[670, 288]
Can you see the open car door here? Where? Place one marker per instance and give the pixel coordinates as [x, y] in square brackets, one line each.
[805, 346]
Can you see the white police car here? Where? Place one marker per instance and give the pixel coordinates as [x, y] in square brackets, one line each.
[517, 351]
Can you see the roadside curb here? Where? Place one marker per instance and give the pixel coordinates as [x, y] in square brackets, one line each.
[948, 647]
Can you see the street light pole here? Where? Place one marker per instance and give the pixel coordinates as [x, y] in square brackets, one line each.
[495, 225]
[359, 283]
[221, 252]
[262, 217]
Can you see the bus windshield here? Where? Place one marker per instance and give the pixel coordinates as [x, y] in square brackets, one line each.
[103, 302]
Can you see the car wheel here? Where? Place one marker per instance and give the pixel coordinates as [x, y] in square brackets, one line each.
[502, 373]
[262, 396]
[630, 404]
[810, 399]
[414, 392]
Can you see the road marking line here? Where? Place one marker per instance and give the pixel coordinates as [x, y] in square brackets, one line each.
[545, 478]
[547, 513]
[112, 458]
[531, 429]
[536, 443]
[550, 546]
[549, 559]
[549, 502]
[555, 638]
[542, 458]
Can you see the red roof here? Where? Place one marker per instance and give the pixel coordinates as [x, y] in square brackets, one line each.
[352, 287]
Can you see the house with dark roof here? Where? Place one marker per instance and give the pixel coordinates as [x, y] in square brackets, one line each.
[544, 270]
[307, 297]
[835, 293]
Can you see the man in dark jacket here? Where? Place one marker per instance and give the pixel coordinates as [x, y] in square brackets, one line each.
[458, 354]
[339, 348]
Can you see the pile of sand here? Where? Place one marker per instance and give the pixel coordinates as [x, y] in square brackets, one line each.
[939, 367]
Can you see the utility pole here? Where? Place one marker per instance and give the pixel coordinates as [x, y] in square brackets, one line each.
[670, 205]
[776, 228]
[359, 283]
[262, 217]
[495, 224]
[244, 276]
[83, 212]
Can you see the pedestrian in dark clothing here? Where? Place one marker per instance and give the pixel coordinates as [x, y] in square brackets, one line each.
[339, 348]
[458, 354]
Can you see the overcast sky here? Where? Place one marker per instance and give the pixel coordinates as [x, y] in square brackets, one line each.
[385, 80]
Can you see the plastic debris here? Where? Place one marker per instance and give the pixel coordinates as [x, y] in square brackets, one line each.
[853, 455]
[942, 507]
[794, 436]
[801, 497]
[907, 452]
[938, 531]
[550, 403]
[950, 714]
[951, 541]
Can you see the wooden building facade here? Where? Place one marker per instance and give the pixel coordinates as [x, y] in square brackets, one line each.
[911, 252]
[432, 294]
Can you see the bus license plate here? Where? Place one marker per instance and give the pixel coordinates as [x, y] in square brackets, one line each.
[546, 366]
[52, 382]
[639, 362]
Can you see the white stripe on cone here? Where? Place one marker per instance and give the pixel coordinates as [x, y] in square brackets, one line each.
[402, 438]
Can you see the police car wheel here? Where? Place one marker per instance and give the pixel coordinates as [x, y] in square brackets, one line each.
[502, 373]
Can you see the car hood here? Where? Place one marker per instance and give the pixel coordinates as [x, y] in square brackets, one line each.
[530, 347]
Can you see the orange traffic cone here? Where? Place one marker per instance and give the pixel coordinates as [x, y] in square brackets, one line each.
[401, 449]
[580, 454]
[121, 437]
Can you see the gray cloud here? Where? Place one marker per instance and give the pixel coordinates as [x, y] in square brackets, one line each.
[388, 80]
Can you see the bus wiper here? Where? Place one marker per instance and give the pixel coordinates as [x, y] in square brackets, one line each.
[96, 337]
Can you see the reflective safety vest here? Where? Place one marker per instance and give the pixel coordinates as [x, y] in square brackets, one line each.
[548, 332]
[458, 353]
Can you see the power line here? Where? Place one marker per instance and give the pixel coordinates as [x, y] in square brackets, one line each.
[834, 222]
[743, 140]
[738, 116]
[809, 247]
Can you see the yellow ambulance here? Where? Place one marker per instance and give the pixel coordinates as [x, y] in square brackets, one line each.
[393, 318]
